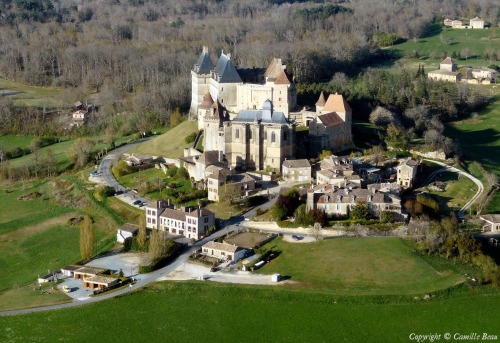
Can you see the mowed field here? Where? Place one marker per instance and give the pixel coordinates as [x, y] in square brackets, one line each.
[357, 266]
[170, 144]
[211, 312]
[25, 95]
[449, 41]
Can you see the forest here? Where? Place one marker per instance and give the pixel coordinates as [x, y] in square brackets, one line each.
[133, 57]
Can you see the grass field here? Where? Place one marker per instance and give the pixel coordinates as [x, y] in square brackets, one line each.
[433, 46]
[10, 142]
[24, 95]
[210, 312]
[458, 191]
[358, 266]
[170, 144]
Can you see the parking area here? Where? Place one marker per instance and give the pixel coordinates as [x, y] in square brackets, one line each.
[76, 287]
[128, 262]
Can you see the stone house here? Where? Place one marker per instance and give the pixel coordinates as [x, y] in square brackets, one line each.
[296, 171]
[448, 71]
[492, 222]
[223, 251]
[218, 179]
[193, 223]
[476, 23]
[337, 171]
[196, 165]
[406, 172]
[153, 211]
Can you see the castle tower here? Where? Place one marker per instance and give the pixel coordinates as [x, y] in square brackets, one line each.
[200, 79]
[320, 103]
[204, 110]
[213, 126]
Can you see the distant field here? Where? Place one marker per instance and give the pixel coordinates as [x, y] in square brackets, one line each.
[24, 95]
[433, 46]
[170, 144]
[10, 142]
[358, 266]
[211, 312]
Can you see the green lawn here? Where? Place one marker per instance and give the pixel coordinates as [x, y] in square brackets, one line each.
[458, 191]
[210, 312]
[170, 144]
[435, 44]
[358, 266]
[10, 142]
[24, 95]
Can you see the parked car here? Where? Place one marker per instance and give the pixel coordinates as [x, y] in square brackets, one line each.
[66, 289]
[137, 202]
[94, 174]
[295, 237]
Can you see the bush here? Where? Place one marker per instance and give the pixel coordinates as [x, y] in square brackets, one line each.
[162, 261]
[121, 169]
[105, 191]
[190, 138]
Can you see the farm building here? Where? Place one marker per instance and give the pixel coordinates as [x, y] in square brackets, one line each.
[223, 251]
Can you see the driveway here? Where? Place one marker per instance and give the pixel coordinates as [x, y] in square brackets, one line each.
[128, 262]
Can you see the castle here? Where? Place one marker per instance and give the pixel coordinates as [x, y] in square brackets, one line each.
[246, 114]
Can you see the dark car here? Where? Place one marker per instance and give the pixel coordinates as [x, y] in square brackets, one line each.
[295, 237]
[137, 202]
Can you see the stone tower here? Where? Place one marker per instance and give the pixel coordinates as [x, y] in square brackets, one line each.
[200, 79]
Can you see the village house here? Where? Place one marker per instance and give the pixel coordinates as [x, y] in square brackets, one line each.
[99, 282]
[153, 211]
[406, 172]
[480, 75]
[476, 23]
[337, 171]
[137, 159]
[86, 272]
[337, 202]
[492, 222]
[223, 251]
[197, 164]
[448, 71]
[126, 231]
[191, 223]
[296, 171]
[220, 182]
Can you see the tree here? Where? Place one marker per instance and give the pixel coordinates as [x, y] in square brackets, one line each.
[157, 244]
[86, 238]
[229, 192]
[175, 118]
[382, 117]
[80, 151]
[360, 211]
[315, 231]
[324, 154]
[141, 235]
[466, 53]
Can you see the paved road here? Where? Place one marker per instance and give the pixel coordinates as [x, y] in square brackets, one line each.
[480, 187]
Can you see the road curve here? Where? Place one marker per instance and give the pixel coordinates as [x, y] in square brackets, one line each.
[479, 184]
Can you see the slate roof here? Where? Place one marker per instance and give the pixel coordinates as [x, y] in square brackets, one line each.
[225, 70]
[266, 115]
[241, 178]
[204, 65]
[200, 213]
[209, 157]
[173, 214]
[330, 119]
[336, 103]
[492, 218]
[217, 173]
[222, 246]
[297, 164]
[130, 228]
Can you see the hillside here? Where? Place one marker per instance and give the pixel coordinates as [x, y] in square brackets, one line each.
[170, 144]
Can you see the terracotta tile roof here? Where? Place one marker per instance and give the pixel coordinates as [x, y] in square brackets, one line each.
[297, 164]
[101, 280]
[90, 270]
[336, 103]
[321, 101]
[207, 101]
[330, 119]
[222, 246]
[448, 60]
[284, 78]
[276, 62]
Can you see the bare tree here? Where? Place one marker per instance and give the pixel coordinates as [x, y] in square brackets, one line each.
[156, 244]
[315, 231]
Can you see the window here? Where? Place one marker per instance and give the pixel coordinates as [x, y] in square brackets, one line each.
[206, 220]
[250, 134]
[154, 221]
[149, 220]
[285, 136]
[273, 137]
[265, 135]
[149, 212]
[237, 133]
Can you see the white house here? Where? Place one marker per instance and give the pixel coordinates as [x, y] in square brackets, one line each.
[126, 231]
[492, 222]
[406, 172]
[223, 251]
[153, 211]
[193, 223]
